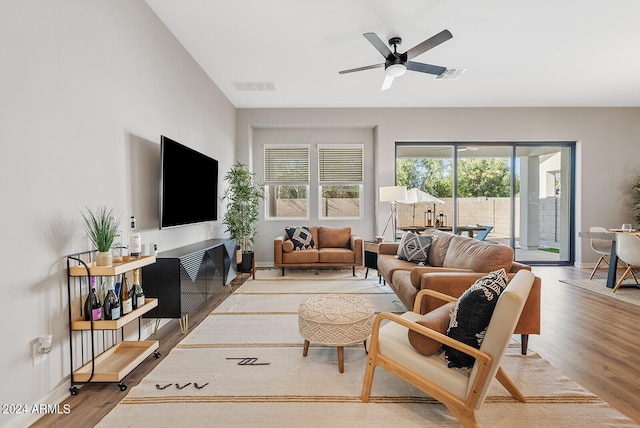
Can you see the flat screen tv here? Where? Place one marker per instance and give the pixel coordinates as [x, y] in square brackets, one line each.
[188, 185]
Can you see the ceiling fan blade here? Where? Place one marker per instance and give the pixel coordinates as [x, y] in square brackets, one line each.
[425, 68]
[367, 67]
[379, 44]
[430, 43]
[386, 83]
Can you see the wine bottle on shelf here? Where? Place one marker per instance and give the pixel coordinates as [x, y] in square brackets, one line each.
[135, 240]
[111, 302]
[136, 290]
[92, 306]
[126, 304]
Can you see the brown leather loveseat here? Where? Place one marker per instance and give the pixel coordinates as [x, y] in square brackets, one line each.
[332, 247]
[454, 263]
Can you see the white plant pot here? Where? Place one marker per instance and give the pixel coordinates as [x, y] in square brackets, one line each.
[104, 258]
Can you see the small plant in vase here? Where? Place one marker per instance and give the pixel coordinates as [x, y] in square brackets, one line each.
[243, 197]
[101, 225]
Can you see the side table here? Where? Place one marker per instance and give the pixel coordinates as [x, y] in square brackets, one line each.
[371, 257]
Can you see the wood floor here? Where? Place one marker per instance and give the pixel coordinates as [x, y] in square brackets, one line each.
[591, 338]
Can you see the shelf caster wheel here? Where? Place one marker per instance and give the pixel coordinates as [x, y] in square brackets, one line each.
[156, 354]
[122, 386]
[73, 390]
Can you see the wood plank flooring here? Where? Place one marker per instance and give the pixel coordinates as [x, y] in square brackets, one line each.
[591, 338]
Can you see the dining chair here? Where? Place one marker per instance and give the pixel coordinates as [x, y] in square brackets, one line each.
[601, 247]
[628, 250]
[461, 391]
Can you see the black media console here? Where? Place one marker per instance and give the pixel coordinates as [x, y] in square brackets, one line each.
[185, 277]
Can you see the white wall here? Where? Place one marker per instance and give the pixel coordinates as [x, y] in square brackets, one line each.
[87, 88]
[606, 162]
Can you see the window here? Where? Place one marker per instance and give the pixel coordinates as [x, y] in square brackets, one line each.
[340, 178]
[286, 176]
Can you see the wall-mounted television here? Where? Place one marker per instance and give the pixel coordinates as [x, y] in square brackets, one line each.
[188, 185]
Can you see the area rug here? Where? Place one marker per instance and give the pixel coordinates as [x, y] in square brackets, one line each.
[629, 292]
[243, 367]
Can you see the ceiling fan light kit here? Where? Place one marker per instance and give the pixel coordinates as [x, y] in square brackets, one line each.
[396, 64]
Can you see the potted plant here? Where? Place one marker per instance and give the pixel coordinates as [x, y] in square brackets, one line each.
[243, 196]
[635, 199]
[101, 225]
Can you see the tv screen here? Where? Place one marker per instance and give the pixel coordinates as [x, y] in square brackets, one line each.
[188, 185]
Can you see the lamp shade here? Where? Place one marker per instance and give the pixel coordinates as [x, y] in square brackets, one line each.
[393, 193]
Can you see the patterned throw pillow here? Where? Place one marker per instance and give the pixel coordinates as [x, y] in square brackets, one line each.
[301, 238]
[471, 317]
[414, 247]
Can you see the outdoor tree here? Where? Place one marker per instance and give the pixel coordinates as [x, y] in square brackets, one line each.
[431, 175]
[483, 177]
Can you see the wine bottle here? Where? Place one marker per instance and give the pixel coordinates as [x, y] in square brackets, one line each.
[126, 304]
[92, 306]
[136, 290]
[135, 240]
[111, 302]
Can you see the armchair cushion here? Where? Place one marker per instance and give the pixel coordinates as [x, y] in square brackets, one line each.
[301, 237]
[437, 320]
[414, 247]
[472, 314]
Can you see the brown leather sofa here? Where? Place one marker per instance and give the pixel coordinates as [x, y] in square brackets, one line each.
[334, 247]
[453, 264]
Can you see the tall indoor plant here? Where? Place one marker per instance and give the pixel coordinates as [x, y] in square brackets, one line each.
[243, 196]
[635, 199]
[101, 225]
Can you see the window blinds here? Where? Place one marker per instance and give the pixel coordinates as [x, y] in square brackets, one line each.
[286, 164]
[342, 164]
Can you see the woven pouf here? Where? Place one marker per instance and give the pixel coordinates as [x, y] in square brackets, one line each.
[335, 320]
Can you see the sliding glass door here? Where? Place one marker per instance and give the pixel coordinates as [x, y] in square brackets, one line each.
[517, 194]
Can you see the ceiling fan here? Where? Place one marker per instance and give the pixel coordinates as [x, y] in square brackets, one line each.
[396, 64]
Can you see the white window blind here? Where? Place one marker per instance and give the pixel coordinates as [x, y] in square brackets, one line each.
[286, 164]
[343, 164]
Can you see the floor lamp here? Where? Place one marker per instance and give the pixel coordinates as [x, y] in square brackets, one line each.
[393, 194]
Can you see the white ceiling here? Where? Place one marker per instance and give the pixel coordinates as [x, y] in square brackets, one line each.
[516, 53]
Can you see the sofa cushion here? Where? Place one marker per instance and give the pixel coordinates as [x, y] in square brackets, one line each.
[439, 246]
[479, 256]
[472, 314]
[438, 320]
[334, 237]
[301, 237]
[414, 247]
[301, 257]
[336, 255]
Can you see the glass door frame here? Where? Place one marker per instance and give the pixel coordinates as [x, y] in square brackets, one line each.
[571, 186]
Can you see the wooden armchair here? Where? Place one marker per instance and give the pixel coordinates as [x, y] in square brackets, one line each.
[462, 391]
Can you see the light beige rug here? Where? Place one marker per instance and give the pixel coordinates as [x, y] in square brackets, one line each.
[629, 292]
[243, 367]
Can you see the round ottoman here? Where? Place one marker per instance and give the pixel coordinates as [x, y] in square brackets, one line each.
[335, 320]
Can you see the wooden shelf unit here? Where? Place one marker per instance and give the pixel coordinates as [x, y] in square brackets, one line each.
[116, 269]
[116, 362]
[81, 324]
[119, 358]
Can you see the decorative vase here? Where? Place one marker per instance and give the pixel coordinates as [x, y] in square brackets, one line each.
[104, 258]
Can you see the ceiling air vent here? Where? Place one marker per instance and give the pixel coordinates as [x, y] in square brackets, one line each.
[451, 74]
[254, 86]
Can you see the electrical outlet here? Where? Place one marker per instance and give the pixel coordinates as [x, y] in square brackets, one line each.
[36, 356]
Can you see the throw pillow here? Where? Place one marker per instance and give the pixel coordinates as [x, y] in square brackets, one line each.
[437, 320]
[414, 247]
[472, 314]
[287, 246]
[301, 237]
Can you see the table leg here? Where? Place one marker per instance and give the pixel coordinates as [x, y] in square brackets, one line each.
[613, 266]
[306, 348]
